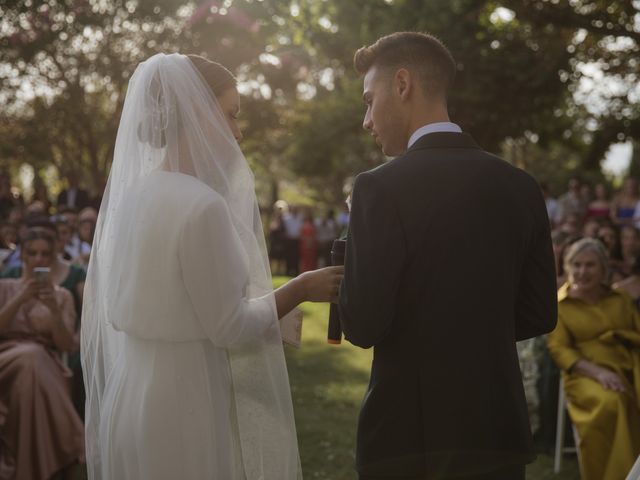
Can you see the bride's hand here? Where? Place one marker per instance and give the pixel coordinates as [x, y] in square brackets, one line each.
[322, 285]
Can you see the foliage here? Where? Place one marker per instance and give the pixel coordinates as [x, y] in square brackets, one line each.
[603, 34]
[67, 64]
[519, 64]
[528, 71]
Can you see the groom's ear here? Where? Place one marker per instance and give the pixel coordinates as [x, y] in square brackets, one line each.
[402, 83]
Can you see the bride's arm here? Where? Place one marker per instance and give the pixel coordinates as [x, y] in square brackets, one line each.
[314, 286]
[215, 272]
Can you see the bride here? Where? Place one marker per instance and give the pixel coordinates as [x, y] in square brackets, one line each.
[181, 346]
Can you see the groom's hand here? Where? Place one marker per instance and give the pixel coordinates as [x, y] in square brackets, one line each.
[322, 285]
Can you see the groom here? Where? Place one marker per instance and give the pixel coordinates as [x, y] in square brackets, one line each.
[448, 264]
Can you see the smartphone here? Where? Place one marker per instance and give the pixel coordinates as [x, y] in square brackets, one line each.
[41, 274]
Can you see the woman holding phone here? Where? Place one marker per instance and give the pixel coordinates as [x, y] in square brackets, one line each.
[41, 432]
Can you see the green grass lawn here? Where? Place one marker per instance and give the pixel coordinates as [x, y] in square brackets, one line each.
[327, 384]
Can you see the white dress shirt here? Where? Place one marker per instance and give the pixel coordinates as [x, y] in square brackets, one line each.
[433, 128]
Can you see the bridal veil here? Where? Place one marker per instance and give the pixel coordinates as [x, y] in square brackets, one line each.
[172, 123]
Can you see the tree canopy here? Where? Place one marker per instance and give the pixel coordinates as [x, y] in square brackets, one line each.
[559, 76]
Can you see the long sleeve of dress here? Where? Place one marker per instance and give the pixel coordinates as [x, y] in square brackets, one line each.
[561, 346]
[216, 274]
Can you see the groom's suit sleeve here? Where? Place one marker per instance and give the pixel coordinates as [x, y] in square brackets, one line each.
[374, 261]
[536, 311]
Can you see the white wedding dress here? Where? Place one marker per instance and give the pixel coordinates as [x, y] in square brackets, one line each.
[181, 346]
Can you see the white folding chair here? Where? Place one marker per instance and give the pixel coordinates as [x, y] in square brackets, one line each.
[561, 424]
[634, 474]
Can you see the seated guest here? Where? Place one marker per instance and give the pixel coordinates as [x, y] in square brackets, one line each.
[571, 225]
[631, 284]
[561, 242]
[64, 234]
[68, 244]
[88, 214]
[8, 241]
[41, 434]
[623, 206]
[8, 235]
[596, 345]
[87, 220]
[74, 249]
[609, 235]
[64, 274]
[629, 247]
[590, 228]
[17, 217]
[70, 277]
[71, 215]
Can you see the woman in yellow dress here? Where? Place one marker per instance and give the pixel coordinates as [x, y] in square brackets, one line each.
[597, 346]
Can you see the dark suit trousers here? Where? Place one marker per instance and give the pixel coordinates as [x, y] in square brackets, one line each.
[509, 473]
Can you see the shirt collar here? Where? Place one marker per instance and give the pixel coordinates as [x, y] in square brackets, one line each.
[433, 128]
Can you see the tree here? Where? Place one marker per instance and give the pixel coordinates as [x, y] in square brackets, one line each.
[518, 70]
[67, 64]
[604, 51]
[522, 68]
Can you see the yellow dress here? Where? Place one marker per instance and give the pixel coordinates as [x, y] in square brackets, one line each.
[606, 333]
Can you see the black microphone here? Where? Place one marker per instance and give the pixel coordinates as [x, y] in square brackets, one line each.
[334, 330]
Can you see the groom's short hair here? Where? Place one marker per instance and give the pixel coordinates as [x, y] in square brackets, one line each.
[415, 51]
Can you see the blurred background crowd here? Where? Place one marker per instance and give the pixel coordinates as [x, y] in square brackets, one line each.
[57, 233]
[300, 237]
[550, 86]
[596, 243]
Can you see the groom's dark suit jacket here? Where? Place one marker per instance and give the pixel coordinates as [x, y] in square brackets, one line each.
[449, 262]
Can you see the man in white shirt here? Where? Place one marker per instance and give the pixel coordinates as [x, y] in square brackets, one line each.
[448, 263]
